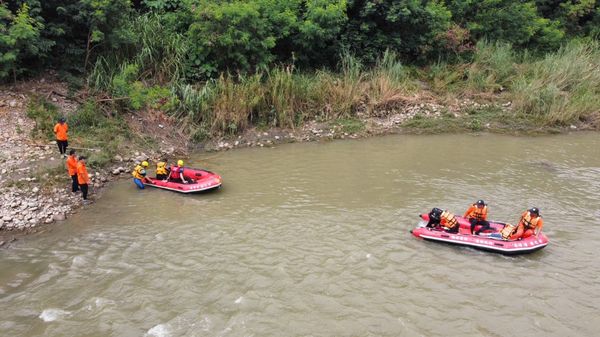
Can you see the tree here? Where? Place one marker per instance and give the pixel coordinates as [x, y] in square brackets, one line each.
[19, 39]
[317, 39]
[409, 27]
[514, 21]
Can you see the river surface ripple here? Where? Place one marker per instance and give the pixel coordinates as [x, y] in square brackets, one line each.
[313, 240]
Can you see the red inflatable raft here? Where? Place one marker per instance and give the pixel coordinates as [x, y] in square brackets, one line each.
[198, 181]
[485, 240]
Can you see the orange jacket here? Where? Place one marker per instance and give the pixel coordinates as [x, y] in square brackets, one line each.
[82, 174]
[476, 213]
[72, 165]
[530, 222]
[60, 130]
[448, 220]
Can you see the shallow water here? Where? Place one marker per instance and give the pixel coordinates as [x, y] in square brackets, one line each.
[313, 240]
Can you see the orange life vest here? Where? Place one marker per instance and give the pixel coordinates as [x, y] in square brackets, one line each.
[478, 213]
[529, 222]
[508, 230]
[448, 220]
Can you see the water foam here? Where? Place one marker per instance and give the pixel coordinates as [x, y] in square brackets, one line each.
[160, 330]
[51, 315]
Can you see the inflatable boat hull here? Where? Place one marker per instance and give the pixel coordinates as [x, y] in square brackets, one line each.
[483, 241]
[199, 181]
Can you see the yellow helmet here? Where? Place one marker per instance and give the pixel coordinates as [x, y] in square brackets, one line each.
[180, 162]
[145, 163]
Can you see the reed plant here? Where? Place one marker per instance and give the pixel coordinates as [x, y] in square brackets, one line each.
[554, 89]
[236, 102]
[286, 101]
[562, 87]
[493, 68]
[389, 83]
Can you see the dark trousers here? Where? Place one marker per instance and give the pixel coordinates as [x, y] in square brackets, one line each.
[161, 176]
[62, 146]
[453, 230]
[84, 190]
[75, 185]
[484, 225]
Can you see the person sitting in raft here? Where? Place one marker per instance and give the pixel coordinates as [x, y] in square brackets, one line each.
[162, 172]
[177, 172]
[477, 215]
[139, 174]
[531, 223]
[444, 219]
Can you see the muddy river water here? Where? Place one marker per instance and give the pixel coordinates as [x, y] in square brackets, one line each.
[313, 240]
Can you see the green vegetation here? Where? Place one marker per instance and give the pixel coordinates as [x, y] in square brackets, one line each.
[350, 125]
[220, 66]
[101, 136]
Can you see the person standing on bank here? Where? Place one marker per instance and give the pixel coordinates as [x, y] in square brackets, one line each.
[82, 177]
[72, 168]
[60, 130]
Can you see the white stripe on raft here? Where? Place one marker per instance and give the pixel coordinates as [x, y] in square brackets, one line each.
[183, 191]
[466, 243]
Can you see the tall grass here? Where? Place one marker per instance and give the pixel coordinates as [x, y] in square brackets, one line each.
[389, 81]
[563, 87]
[493, 67]
[158, 54]
[557, 88]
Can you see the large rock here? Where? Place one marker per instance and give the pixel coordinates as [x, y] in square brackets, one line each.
[118, 158]
[59, 217]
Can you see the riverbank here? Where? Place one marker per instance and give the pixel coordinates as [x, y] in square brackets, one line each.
[34, 186]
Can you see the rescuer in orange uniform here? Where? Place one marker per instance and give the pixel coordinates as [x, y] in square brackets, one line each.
[477, 215]
[82, 177]
[443, 218]
[72, 168]
[60, 130]
[531, 223]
